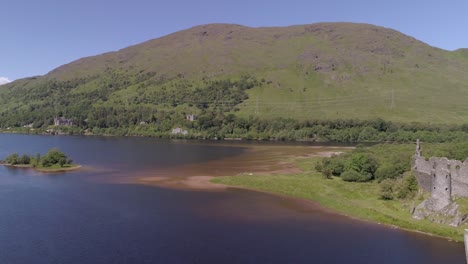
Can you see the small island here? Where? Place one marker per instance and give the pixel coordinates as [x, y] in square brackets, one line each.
[54, 161]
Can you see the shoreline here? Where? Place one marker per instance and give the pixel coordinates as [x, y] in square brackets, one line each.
[322, 206]
[290, 169]
[43, 170]
[329, 210]
[319, 142]
[204, 182]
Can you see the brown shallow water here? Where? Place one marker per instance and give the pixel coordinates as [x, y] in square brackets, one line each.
[100, 215]
[256, 160]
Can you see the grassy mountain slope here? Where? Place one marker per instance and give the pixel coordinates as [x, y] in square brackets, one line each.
[318, 71]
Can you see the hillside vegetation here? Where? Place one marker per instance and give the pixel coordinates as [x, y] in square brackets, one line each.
[221, 72]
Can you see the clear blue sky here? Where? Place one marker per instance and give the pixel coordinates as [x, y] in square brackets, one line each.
[38, 36]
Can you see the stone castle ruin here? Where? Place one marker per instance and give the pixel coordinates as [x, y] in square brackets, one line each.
[445, 180]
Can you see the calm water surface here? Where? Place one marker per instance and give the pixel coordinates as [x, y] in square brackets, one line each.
[83, 217]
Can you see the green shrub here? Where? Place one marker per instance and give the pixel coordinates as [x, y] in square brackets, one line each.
[388, 171]
[364, 164]
[408, 187]
[318, 166]
[335, 164]
[355, 176]
[387, 189]
[327, 173]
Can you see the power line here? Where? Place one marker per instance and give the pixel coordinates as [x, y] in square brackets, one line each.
[392, 105]
[256, 109]
[289, 102]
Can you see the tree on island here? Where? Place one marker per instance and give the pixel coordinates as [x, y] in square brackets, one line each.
[15, 159]
[12, 159]
[25, 159]
[54, 157]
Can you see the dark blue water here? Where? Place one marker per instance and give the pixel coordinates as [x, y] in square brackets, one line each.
[70, 218]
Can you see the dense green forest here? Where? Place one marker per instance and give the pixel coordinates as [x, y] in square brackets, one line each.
[164, 104]
[211, 125]
[91, 104]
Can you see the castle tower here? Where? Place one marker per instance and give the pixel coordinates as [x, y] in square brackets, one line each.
[418, 149]
[441, 191]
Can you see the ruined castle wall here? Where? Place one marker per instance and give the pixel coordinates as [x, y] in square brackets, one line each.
[459, 189]
[422, 170]
[441, 190]
[424, 180]
[458, 171]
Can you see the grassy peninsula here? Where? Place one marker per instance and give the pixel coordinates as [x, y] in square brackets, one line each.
[366, 199]
[54, 161]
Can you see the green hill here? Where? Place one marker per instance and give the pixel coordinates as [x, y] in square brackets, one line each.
[321, 71]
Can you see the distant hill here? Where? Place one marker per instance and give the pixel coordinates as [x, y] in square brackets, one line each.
[317, 71]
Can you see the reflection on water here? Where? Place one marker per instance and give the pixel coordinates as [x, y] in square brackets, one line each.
[74, 218]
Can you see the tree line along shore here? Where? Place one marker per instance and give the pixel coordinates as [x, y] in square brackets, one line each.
[211, 124]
